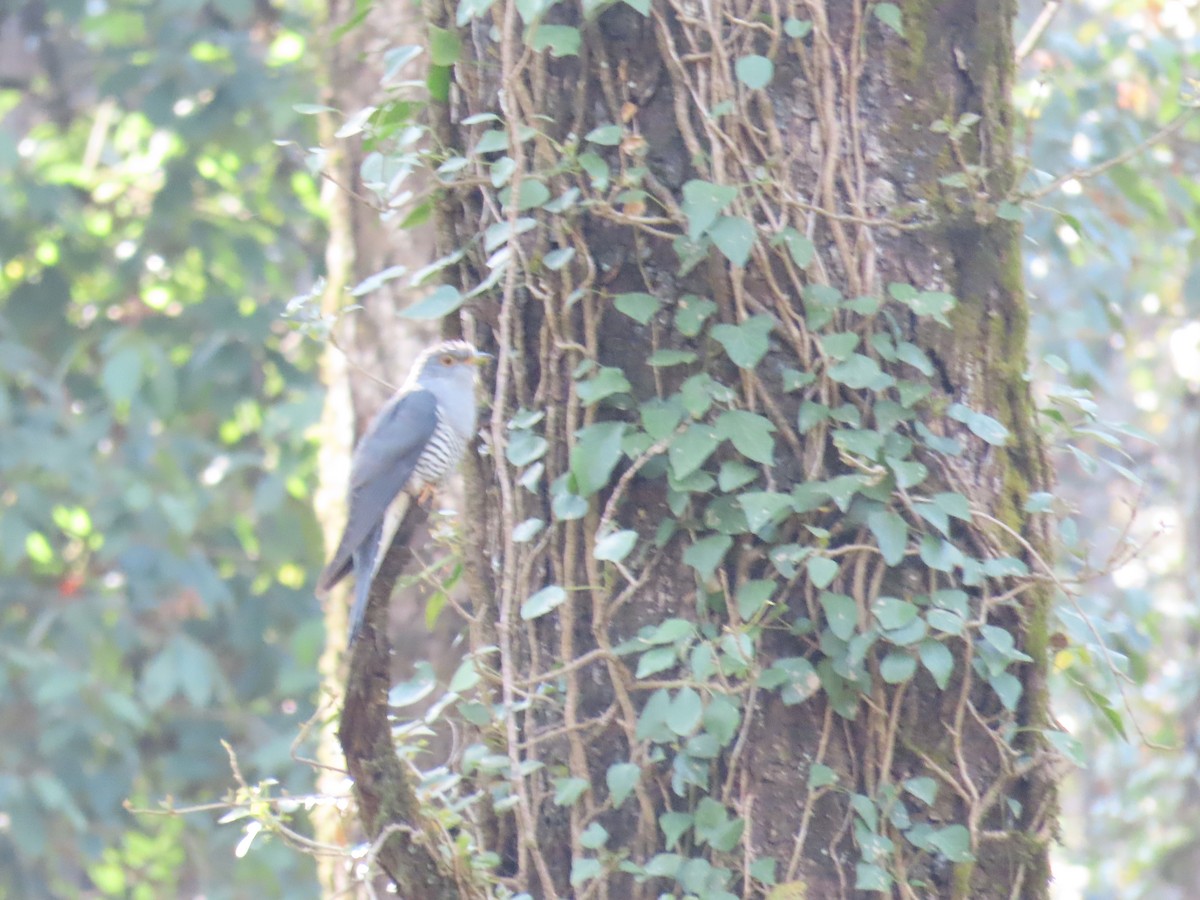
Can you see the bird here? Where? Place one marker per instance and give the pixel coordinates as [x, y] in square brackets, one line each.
[413, 444]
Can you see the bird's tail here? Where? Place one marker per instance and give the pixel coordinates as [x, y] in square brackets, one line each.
[364, 561]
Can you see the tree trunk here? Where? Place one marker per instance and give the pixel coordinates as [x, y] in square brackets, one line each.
[757, 597]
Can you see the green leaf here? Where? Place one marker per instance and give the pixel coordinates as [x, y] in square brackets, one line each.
[444, 46]
[444, 300]
[605, 135]
[689, 450]
[530, 194]
[753, 596]
[820, 776]
[707, 553]
[685, 713]
[621, 779]
[937, 659]
[607, 381]
[945, 621]
[657, 660]
[842, 614]
[542, 602]
[673, 825]
[595, 455]
[703, 202]
[616, 546]
[1008, 688]
[584, 870]
[691, 313]
[889, 15]
[1012, 212]
[735, 474]
[952, 504]
[556, 259]
[594, 836]
[860, 373]
[982, 425]
[840, 344]
[923, 788]
[660, 417]
[755, 72]
[821, 571]
[746, 343]
[797, 28]
[568, 790]
[892, 612]
[721, 719]
[662, 359]
[764, 507]
[897, 667]
[122, 374]
[734, 237]
[749, 433]
[562, 40]
[526, 531]
[639, 306]
[871, 877]
[525, 447]
[800, 248]
[908, 473]
[891, 533]
[953, 842]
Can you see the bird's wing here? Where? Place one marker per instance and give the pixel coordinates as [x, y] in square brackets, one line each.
[383, 463]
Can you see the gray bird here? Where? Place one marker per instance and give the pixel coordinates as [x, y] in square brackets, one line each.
[416, 441]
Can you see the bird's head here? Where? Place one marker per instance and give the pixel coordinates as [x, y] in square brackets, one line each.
[449, 363]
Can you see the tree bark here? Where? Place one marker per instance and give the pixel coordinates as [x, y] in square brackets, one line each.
[760, 327]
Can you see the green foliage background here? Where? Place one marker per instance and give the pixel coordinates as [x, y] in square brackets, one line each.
[155, 526]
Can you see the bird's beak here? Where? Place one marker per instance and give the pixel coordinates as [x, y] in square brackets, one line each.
[482, 359]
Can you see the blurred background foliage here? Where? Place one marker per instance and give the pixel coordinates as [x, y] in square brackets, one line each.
[156, 534]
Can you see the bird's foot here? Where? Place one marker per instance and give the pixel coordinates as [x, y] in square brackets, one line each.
[426, 494]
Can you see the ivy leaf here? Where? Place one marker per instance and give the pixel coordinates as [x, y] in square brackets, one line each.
[889, 15]
[841, 612]
[753, 596]
[444, 46]
[707, 553]
[596, 455]
[702, 202]
[981, 424]
[797, 28]
[639, 306]
[764, 507]
[937, 658]
[607, 381]
[444, 300]
[689, 450]
[747, 343]
[923, 788]
[734, 475]
[897, 667]
[860, 373]
[621, 779]
[953, 842]
[821, 571]
[734, 237]
[908, 473]
[750, 433]
[660, 417]
[562, 40]
[665, 358]
[800, 248]
[568, 790]
[605, 135]
[894, 613]
[691, 313]
[1008, 688]
[542, 602]
[755, 72]
[891, 532]
[616, 546]
[687, 709]
[556, 259]
[840, 344]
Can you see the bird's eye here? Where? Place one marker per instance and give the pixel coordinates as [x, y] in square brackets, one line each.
[447, 360]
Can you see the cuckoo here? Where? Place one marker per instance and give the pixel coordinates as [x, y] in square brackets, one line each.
[414, 443]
